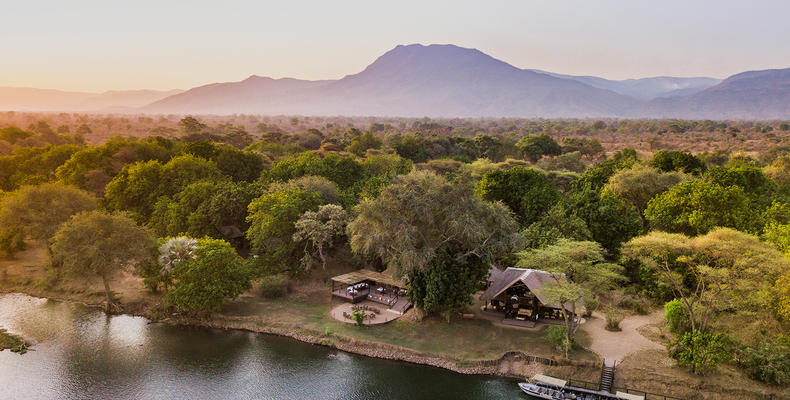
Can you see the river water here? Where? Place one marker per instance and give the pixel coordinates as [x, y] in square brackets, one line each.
[81, 353]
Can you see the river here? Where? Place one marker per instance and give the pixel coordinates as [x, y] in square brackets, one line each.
[82, 353]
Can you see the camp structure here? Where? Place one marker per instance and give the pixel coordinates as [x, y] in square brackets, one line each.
[516, 295]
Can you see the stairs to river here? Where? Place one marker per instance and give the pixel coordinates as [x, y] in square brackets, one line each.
[607, 376]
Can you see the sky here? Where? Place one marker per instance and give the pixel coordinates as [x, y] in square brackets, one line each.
[102, 45]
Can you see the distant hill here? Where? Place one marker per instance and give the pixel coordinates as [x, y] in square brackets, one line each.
[414, 81]
[646, 88]
[31, 99]
[445, 81]
[748, 95]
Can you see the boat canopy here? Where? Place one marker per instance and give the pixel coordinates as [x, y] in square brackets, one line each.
[629, 396]
[549, 380]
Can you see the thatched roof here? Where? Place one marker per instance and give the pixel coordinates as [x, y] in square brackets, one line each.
[361, 275]
[534, 279]
[493, 273]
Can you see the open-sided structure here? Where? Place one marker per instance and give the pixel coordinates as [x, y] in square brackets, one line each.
[378, 287]
[516, 294]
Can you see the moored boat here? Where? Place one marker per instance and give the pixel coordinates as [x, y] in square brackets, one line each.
[549, 388]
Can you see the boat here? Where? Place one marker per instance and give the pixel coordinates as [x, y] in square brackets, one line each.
[549, 388]
[542, 392]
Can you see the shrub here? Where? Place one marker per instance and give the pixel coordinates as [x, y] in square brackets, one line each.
[677, 317]
[613, 319]
[700, 352]
[273, 286]
[558, 337]
[768, 363]
[358, 316]
[591, 304]
[637, 303]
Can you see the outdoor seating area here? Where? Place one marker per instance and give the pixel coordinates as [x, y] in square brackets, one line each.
[374, 315]
[367, 285]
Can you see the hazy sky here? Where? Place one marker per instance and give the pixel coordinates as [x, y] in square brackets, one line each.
[110, 44]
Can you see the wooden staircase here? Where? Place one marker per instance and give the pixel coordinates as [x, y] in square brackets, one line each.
[607, 376]
[400, 306]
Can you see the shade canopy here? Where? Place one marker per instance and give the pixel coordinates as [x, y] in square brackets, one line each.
[362, 275]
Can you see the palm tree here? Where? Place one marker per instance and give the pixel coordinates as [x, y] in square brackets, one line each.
[174, 251]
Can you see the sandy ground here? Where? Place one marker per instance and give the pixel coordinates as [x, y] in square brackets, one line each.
[382, 318]
[614, 346]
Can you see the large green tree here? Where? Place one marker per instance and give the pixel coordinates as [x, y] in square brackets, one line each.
[420, 217]
[37, 212]
[318, 230]
[101, 244]
[206, 280]
[527, 192]
[536, 146]
[139, 186]
[272, 218]
[610, 221]
[640, 183]
[696, 207]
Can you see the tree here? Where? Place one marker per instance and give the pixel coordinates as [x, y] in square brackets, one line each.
[536, 146]
[723, 270]
[696, 207]
[216, 273]
[672, 160]
[758, 188]
[173, 252]
[640, 183]
[102, 244]
[190, 125]
[596, 177]
[610, 221]
[38, 211]
[700, 352]
[421, 217]
[272, 218]
[360, 144]
[139, 186]
[579, 270]
[326, 189]
[526, 191]
[319, 229]
[557, 224]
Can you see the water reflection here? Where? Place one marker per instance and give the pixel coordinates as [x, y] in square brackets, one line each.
[81, 353]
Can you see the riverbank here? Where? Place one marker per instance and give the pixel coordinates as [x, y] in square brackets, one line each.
[474, 346]
[13, 342]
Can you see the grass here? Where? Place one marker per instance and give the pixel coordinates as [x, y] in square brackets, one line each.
[13, 342]
[464, 339]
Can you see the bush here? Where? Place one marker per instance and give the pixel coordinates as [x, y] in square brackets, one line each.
[358, 316]
[590, 304]
[273, 286]
[677, 317]
[637, 303]
[558, 337]
[700, 352]
[768, 363]
[613, 319]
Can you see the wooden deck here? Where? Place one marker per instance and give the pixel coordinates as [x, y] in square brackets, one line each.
[515, 322]
[343, 294]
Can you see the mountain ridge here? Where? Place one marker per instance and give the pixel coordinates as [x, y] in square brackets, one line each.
[444, 80]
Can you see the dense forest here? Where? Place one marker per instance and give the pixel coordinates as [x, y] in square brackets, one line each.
[691, 216]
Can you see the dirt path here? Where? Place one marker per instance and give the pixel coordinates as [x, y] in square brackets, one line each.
[616, 345]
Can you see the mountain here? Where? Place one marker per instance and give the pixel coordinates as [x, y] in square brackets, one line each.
[445, 81]
[412, 81]
[748, 95]
[645, 88]
[31, 99]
